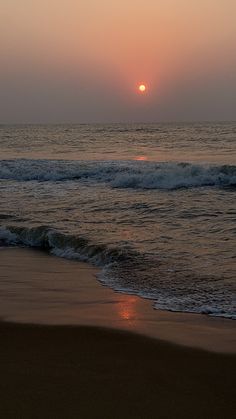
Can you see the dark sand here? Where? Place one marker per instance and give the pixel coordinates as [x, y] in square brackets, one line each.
[85, 372]
[93, 372]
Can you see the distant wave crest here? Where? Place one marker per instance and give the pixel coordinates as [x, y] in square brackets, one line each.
[136, 175]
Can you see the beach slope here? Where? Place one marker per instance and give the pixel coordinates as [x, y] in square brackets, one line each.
[88, 372]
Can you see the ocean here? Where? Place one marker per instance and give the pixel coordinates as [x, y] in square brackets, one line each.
[153, 205]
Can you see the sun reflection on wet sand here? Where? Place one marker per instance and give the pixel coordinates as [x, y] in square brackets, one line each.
[127, 308]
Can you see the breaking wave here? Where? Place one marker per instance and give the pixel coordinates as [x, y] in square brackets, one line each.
[63, 245]
[136, 175]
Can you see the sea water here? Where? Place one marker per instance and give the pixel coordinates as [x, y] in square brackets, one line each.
[152, 204]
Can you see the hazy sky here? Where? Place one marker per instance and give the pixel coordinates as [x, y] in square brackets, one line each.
[81, 60]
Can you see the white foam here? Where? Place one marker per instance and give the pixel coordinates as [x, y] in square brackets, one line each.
[138, 175]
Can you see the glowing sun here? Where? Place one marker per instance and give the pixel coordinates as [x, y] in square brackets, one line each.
[142, 88]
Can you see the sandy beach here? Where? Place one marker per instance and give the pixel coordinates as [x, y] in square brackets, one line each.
[87, 372]
[39, 288]
[90, 357]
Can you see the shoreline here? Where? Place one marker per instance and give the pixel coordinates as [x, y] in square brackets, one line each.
[106, 364]
[38, 288]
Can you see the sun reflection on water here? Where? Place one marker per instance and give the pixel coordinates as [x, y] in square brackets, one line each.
[141, 158]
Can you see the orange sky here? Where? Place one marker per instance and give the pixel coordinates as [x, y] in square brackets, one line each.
[83, 59]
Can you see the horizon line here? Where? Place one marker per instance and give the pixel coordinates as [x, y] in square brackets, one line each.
[194, 121]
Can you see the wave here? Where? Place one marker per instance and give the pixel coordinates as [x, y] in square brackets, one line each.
[64, 245]
[125, 174]
[126, 270]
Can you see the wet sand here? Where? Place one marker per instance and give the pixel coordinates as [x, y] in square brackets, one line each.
[39, 288]
[83, 370]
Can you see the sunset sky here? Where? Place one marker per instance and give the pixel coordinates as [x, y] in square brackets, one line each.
[83, 60]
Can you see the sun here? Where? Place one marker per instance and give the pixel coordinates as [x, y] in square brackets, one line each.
[142, 88]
